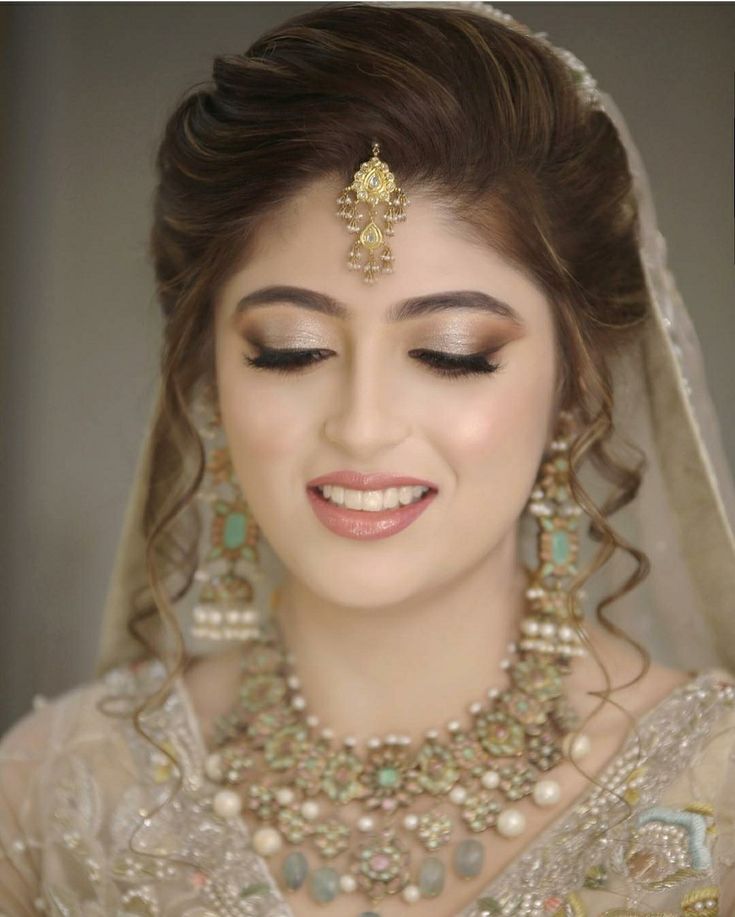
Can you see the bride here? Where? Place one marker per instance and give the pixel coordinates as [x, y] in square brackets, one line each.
[433, 459]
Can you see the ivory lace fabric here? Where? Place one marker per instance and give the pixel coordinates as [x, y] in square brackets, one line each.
[92, 823]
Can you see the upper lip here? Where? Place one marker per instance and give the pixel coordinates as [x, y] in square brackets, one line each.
[376, 481]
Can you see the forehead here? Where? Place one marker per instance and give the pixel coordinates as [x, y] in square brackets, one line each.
[305, 243]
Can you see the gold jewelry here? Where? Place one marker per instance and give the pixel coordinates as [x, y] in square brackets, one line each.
[275, 761]
[225, 609]
[373, 184]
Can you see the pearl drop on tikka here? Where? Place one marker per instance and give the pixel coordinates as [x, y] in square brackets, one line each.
[227, 803]
[511, 823]
[365, 823]
[267, 841]
[546, 793]
[411, 822]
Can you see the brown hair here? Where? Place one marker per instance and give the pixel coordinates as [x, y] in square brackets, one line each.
[479, 114]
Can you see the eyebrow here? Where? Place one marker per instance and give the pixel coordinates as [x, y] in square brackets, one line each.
[413, 307]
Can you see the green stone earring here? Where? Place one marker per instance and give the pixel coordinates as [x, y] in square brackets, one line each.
[553, 623]
[229, 559]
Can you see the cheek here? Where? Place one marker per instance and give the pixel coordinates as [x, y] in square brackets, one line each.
[497, 438]
[261, 422]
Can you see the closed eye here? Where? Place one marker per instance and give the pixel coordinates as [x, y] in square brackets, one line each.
[288, 361]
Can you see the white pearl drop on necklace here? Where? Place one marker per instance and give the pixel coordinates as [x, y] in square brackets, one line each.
[267, 841]
[576, 747]
[285, 795]
[347, 883]
[227, 803]
[511, 823]
[458, 795]
[490, 780]
[546, 793]
[411, 894]
[310, 810]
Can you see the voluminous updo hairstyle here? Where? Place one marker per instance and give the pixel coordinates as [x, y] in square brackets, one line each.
[476, 112]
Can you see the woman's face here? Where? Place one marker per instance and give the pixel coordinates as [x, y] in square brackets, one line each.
[375, 400]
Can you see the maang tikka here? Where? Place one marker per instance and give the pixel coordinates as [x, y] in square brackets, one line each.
[373, 184]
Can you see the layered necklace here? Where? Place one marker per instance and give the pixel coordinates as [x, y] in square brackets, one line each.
[389, 815]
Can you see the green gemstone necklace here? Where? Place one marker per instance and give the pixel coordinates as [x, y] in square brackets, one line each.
[274, 762]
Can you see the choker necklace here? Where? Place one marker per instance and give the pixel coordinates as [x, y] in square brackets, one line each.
[413, 805]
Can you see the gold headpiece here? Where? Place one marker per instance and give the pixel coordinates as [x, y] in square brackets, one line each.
[373, 183]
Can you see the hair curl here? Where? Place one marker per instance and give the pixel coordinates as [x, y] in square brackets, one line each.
[480, 115]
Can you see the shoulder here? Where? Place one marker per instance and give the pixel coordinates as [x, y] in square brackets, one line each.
[85, 717]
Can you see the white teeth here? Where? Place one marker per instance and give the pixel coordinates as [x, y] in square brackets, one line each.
[372, 501]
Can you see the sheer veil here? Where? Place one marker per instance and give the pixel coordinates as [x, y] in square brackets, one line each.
[683, 517]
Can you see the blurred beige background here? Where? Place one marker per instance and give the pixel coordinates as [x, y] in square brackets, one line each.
[86, 89]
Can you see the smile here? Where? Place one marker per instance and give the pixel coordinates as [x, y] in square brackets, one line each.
[373, 513]
[372, 501]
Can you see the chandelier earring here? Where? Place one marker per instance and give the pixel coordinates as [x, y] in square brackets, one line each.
[553, 623]
[229, 549]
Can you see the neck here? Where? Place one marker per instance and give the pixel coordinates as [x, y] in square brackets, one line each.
[407, 667]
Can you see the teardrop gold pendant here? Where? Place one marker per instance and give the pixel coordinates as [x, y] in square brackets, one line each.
[373, 184]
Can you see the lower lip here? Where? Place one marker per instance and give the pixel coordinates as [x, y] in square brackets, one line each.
[364, 525]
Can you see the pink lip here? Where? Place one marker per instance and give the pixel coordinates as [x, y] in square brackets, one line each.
[362, 525]
[377, 481]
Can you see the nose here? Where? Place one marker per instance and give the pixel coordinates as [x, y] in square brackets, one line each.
[366, 416]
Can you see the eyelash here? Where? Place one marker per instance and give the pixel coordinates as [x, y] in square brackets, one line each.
[444, 364]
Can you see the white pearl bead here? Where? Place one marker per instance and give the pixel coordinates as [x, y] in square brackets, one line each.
[454, 726]
[547, 630]
[566, 633]
[285, 795]
[458, 795]
[347, 883]
[511, 823]
[410, 822]
[312, 720]
[490, 780]
[546, 793]
[577, 747]
[529, 627]
[267, 841]
[374, 742]
[213, 767]
[411, 894]
[298, 702]
[227, 803]
[365, 823]
[310, 810]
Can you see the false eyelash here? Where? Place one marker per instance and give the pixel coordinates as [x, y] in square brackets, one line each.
[445, 364]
